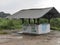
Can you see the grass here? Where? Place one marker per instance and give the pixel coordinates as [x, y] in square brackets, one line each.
[2, 32]
[55, 28]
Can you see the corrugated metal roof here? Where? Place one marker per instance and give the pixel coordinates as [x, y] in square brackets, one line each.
[31, 13]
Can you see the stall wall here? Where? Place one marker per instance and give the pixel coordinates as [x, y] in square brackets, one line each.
[43, 28]
[36, 29]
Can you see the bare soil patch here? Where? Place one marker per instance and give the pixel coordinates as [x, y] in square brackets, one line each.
[52, 38]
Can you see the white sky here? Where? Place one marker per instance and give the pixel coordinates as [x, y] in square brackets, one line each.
[12, 6]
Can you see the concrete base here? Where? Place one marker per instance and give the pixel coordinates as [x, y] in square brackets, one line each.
[36, 29]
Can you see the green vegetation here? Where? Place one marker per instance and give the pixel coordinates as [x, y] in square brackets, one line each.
[9, 24]
[55, 24]
[43, 21]
[1, 32]
[16, 23]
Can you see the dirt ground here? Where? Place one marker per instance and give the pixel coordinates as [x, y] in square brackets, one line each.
[53, 38]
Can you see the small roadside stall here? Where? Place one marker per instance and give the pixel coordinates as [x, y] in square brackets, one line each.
[36, 21]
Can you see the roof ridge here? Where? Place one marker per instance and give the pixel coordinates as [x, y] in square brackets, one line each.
[36, 8]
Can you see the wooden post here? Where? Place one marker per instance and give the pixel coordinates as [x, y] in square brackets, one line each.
[38, 21]
[22, 20]
[34, 21]
[29, 20]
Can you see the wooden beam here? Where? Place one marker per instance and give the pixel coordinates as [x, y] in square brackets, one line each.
[29, 20]
[34, 21]
[22, 20]
[38, 21]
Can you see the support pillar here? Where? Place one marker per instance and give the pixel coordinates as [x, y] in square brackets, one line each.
[29, 21]
[34, 21]
[38, 21]
[22, 20]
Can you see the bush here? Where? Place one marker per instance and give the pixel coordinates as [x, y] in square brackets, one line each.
[10, 24]
[55, 24]
[43, 20]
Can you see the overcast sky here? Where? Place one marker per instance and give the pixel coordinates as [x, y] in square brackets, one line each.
[12, 6]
